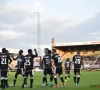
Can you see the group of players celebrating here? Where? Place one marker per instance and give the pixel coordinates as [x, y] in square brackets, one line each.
[51, 63]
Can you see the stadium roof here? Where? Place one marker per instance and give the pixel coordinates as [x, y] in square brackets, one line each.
[15, 51]
[76, 43]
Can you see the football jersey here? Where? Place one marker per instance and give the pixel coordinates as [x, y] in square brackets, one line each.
[20, 60]
[57, 60]
[4, 58]
[28, 59]
[68, 65]
[77, 59]
[47, 61]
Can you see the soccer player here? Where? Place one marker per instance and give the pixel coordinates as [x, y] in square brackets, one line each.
[20, 66]
[68, 66]
[58, 68]
[47, 67]
[29, 65]
[4, 61]
[78, 61]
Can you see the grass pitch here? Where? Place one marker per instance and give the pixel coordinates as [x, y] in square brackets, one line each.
[87, 79]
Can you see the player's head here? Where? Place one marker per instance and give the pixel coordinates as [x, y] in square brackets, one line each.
[53, 51]
[49, 51]
[7, 51]
[78, 52]
[30, 51]
[20, 52]
[46, 50]
[67, 59]
[3, 50]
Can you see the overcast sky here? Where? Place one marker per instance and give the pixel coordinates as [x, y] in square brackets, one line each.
[65, 20]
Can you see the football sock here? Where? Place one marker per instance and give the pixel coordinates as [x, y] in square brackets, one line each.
[78, 79]
[15, 78]
[43, 80]
[74, 78]
[31, 82]
[2, 83]
[5, 82]
[65, 77]
[46, 80]
[55, 80]
[25, 81]
[68, 76]
[61, 78]
[51, 79]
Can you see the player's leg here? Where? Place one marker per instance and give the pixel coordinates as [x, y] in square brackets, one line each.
[6, 78]
[31, 78]
[25, 79]
[7, 86]
[2, 80]
[60, 75]
[78, 76]
[15, 77]
[44, 77]
[51, 77]
[75, 71]
[55, 77]
[68, 75]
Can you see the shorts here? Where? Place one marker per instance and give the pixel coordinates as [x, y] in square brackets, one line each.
[57, 70]
[67, 71]
[48, 71]
[20, 71]
[30, 72]
[78, 70]
[4, 73]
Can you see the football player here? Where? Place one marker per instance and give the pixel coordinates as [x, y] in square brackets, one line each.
[29, 66]
[78, 61]
[4, 61]
[58, 68]
[68, 66]
[20, 66]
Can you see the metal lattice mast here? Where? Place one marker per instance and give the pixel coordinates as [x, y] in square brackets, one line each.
[38, 32]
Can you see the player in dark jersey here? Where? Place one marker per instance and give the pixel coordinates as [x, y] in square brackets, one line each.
[68, 66]
[58, 68]
[29, 66]
[4, 61]
[20, 66]
[78, 61]
[47, 67]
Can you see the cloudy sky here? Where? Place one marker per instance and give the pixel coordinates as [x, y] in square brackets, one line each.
[65, 20]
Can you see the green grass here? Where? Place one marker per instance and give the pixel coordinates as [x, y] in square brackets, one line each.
[87, 79]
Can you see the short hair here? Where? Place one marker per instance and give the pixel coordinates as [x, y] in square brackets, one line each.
[54, 50]
[67, 59]
[3, 50]
[29, 50]
[46, 49]
[20, 51]
[78, 52]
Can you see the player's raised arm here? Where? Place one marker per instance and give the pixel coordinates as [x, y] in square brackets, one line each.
[14, 58]
[36, 54]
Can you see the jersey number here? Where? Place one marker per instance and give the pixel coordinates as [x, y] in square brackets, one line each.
[67, 64]
[27, 62]
[47, 61]
[77, 61]
[3, 61]
[59, 59]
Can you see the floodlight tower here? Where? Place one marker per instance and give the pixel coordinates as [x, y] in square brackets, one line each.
[38, 31]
